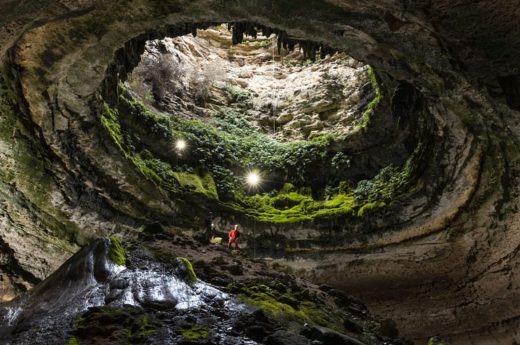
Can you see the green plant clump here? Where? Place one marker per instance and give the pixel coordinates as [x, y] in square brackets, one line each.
[236, 95]
[138, 333]
[377, 99]
[191, 331]
[122, 325]
[383, 186]
[368, 207]
[294, 207]
[117, 252]
[110, 121]
[73, 341]
[185, 270]
[437, 341]
[147, 328]
[298, 310]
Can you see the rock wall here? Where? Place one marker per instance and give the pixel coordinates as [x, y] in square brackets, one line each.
[441, 260]
[283, 94]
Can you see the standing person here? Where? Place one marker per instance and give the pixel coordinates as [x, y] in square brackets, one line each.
[210, 227]
[234, 236]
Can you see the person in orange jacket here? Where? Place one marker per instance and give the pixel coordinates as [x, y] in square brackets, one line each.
[234, 236]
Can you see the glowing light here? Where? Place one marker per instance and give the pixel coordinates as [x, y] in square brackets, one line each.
[180, 144]
[253, 178]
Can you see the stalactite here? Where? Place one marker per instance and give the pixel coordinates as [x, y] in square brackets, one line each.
[310, 49]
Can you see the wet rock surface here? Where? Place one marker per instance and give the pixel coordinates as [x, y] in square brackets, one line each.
[91, 300]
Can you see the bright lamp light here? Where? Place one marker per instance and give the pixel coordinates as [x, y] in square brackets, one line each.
[253, 178]
[180, 144]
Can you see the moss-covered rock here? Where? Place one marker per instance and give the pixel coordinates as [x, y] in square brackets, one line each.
[374, 102]
[185, 270]
[191, 331]
[122, 325]
[437, 341]
[368, 207]
[117, 252]
[73, 341]
[288, 306]
[146, 329]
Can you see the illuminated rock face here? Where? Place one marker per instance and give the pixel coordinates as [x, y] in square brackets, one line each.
[282, 93]
[439, 257]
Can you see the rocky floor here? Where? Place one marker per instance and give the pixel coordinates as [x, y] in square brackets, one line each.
[153, 300]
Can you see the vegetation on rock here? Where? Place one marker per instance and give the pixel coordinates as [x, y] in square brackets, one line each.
[121, 324]
[437, 341]
[288, 305]
[191, 331]
[73, 341]
[373, 103]
[222, 150]
[185, 270]
[117, 252]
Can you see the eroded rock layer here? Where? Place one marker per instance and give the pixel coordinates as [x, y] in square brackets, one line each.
[440, 257]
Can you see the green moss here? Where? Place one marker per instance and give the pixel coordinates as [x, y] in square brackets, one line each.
[137, 334]
[287, 188]
[377, 99]
[155, 170]
[368, 207]
[191, 331]
[122, 325]
[268, 303]
[109, 120]
[223, 150]
[293, 207]
[236, 94]
[300, 310]
[24, 165]
[311, 312]
[386, 184]
[203, 185]
[147, 328]
[117, 252]
[185, 269]
[145, 169]
[437, 341]
[73, 341]
[290, 206]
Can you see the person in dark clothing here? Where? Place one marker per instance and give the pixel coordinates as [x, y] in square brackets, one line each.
[210, 227]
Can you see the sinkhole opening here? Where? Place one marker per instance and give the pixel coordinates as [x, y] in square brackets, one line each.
[257, 122]
[286, 94]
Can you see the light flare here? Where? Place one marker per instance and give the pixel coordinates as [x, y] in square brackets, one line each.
[180, 144]
[253, 178]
